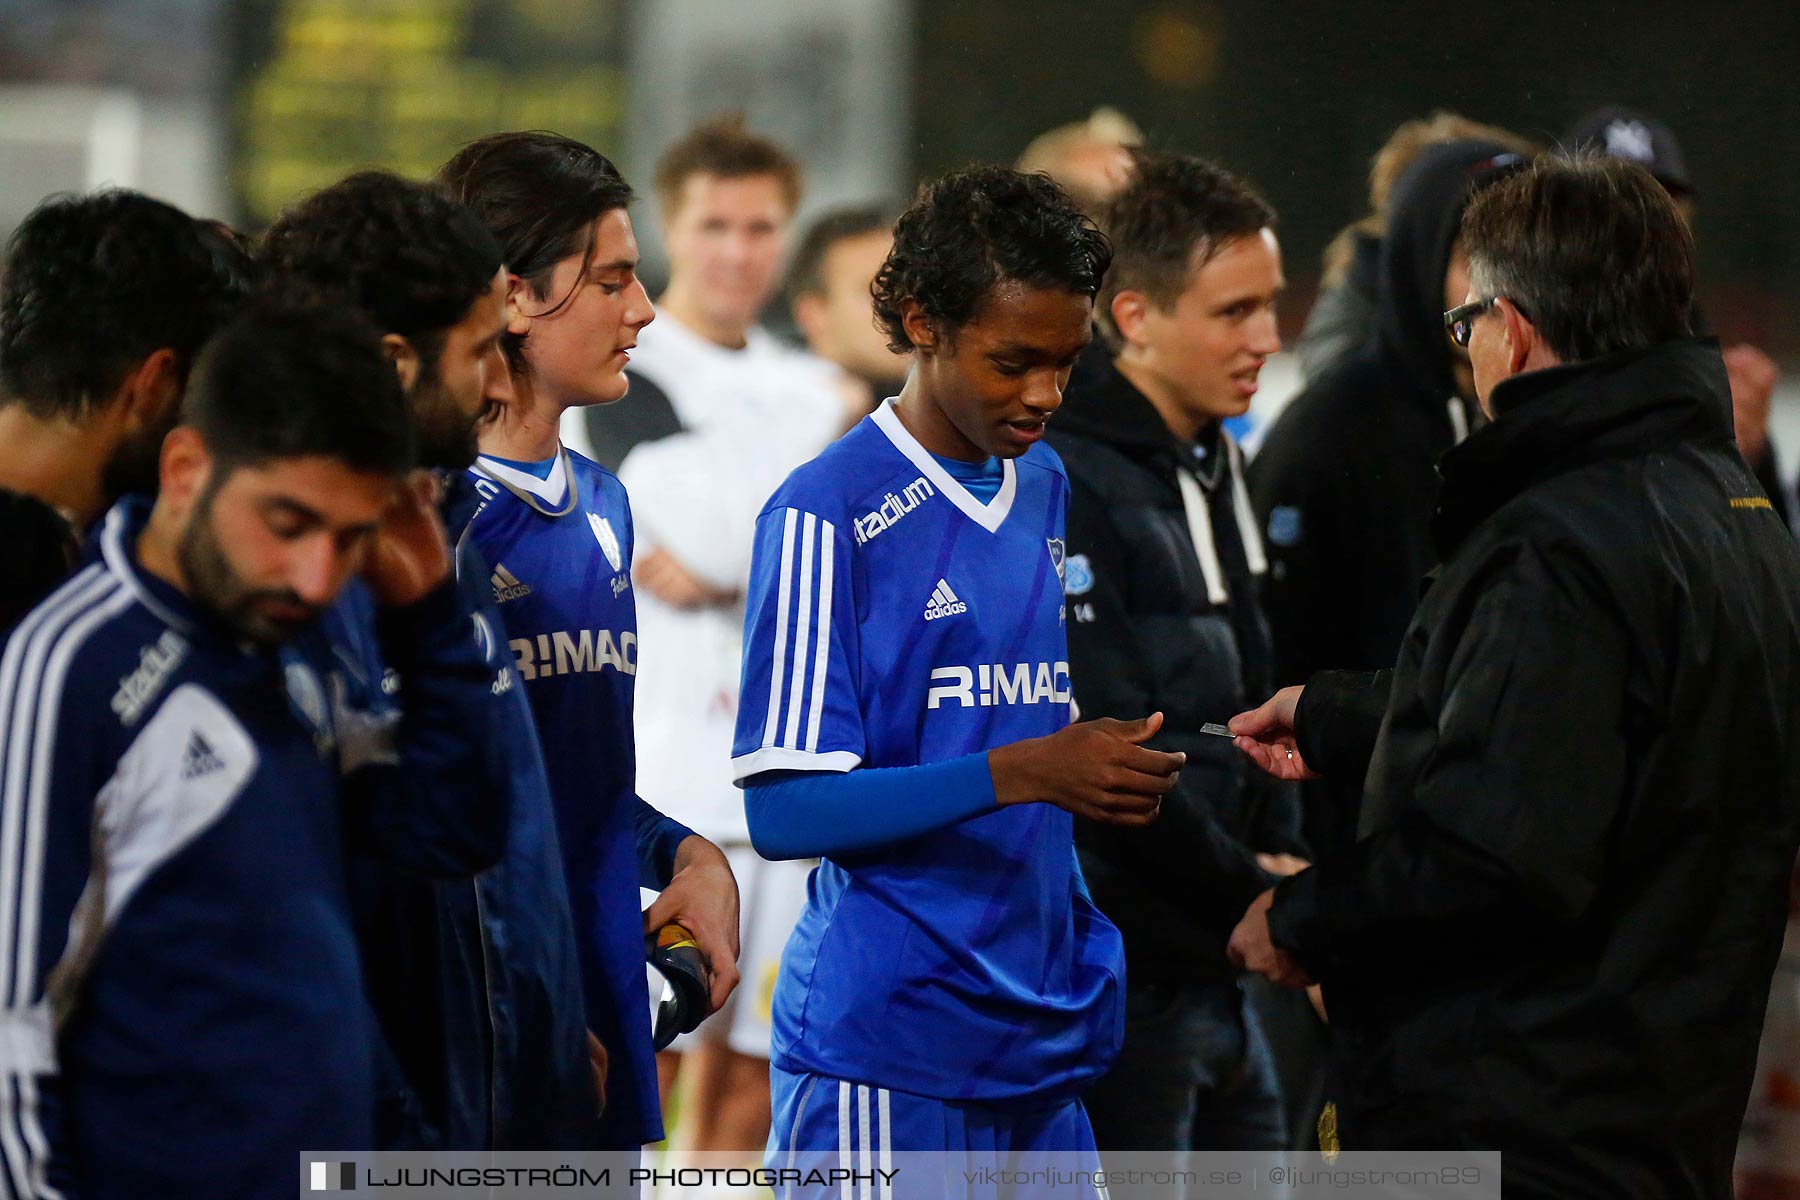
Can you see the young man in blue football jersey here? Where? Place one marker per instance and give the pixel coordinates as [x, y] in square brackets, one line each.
[906, 712]
[556, 528]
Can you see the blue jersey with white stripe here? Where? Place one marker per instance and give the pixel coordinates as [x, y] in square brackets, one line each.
[895, 620]
[183, 1002]
[560, 553]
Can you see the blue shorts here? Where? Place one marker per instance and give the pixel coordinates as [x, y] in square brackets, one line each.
[821, 1125]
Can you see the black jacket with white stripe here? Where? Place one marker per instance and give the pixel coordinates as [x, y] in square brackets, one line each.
[1162, 573]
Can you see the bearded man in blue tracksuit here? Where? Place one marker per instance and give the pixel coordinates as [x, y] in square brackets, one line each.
[189, 746]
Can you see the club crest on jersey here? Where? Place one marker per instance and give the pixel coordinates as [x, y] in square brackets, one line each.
[609, 541]
[1056, 558]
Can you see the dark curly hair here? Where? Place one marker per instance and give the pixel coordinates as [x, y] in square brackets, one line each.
[96, 284]
[973, 229]
[539, 193]
[405, 253]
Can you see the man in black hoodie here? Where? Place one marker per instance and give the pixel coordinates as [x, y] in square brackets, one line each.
[1162, 573]
[1346, 480]
[1555, 934]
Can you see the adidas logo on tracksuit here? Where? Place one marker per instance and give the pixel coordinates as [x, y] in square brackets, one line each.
[199, 758]
[943, 602]
[507, 586]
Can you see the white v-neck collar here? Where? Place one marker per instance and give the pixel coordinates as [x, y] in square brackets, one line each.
[989, 516]
[552, 491]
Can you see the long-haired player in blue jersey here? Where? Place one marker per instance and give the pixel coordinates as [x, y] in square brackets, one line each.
[906, 717]
[556, 528]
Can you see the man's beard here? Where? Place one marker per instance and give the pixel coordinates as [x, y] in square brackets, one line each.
[447, 439]
[215, 585]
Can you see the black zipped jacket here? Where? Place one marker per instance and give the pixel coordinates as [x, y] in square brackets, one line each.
[1555, 934]
[1148, 632]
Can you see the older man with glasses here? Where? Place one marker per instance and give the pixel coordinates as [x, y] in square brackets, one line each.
[1582, 778]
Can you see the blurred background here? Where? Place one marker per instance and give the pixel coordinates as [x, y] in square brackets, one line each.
[231, 108]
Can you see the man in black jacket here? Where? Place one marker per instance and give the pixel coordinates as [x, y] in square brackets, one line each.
[1346, 479]
[1162, 573]
[1556, 933]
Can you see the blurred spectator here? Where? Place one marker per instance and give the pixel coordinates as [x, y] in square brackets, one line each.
[1162, 574]
[1635, 137]
[719, 412]
[1342, 319]
[106, 300]
[828, 291]
[1625, 133]
[1346, 480]
[1091, 158]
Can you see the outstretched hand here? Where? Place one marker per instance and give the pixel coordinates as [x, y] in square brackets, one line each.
[1266, 735]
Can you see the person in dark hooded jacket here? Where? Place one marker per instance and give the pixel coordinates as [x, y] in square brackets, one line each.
[1346, 480]
[1162, 572]
[1342, 318]
[1556, 933]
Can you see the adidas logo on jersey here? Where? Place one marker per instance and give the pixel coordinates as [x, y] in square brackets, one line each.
[199, 758]
[943, 602]
[507, 585]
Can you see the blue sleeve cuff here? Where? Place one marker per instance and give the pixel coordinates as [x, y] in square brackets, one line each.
[658, 837]
[815, 814]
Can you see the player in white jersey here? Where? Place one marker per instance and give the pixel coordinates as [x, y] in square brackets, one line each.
[720, 412]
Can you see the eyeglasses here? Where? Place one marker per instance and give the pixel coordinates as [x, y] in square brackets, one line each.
[1460, 321]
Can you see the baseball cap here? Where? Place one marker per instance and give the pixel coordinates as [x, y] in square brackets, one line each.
[1626, 133]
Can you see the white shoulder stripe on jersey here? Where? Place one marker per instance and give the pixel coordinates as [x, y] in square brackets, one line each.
[20, 670]
[28, 704]
[821, 634]
[17, 1143]
[803, 621]
[771, 725]
[43, 756]
[803, 628]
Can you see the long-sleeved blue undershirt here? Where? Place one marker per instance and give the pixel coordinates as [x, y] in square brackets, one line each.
[811, 814]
